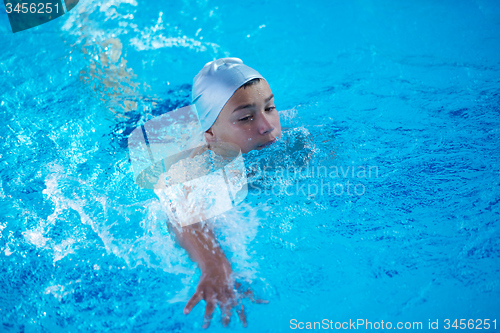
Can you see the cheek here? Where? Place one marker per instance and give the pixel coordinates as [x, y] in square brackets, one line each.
[238, 135]
[277, 122]
[245, 137]
[246, 140]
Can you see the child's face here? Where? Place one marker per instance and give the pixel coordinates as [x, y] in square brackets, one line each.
[249, 119]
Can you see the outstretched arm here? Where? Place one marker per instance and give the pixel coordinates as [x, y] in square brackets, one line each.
[216, 285]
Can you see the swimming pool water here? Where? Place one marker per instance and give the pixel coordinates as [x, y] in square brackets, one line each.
[409, 89]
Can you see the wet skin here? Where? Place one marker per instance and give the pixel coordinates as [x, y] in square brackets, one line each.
[249, 119]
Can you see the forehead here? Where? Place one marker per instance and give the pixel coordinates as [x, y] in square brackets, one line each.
[252, 94]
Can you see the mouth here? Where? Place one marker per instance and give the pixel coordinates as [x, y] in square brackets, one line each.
[268, 143]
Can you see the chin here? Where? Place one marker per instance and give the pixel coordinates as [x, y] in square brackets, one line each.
[259, 148]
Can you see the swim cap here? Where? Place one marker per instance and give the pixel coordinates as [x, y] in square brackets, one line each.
[215, 84]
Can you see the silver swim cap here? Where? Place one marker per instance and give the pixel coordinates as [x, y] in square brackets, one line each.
[215, 84]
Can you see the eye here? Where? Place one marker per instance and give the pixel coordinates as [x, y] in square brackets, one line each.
[247, 118]
[271, 108]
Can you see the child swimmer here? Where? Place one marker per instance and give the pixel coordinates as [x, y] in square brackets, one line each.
[235, 105]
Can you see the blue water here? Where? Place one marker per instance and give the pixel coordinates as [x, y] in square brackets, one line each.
[408, 88]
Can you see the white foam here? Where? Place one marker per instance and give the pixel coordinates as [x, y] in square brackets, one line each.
[35, 237]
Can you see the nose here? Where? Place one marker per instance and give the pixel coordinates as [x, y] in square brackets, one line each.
[265, 126]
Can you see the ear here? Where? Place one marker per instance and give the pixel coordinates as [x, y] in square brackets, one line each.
[210, 136]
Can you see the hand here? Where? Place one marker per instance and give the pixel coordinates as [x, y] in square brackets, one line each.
[217, 287]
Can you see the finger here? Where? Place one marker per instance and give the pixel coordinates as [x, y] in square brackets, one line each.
[209, 310]
[226, 314]
[193, 301]
[241, 314]
[261, 301]
[250, 295]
